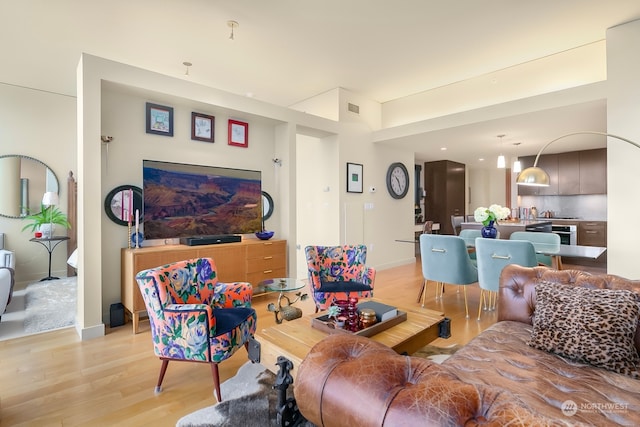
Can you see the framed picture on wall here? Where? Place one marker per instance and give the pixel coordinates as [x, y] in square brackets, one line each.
[159, 119]
[238, 133]
[202, 127]
[354, 178]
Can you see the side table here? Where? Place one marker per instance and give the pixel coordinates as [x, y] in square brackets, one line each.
[282, 285]
[49, 243]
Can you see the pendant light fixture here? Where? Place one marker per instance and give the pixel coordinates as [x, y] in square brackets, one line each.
[233, 25]
[517, 166]
[501, 160]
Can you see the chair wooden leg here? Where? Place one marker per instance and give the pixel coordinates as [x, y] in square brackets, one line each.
[466, 307]
[494, 303]
[163, 370]
[480, 303]
[216, 380]
[422, 290]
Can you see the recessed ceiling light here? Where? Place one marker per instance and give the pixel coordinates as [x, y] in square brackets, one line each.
[481, 159]
[443, 148]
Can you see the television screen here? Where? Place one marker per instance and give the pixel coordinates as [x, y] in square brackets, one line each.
[182, 200]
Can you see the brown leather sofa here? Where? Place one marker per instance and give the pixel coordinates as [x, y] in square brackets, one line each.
[496, 379]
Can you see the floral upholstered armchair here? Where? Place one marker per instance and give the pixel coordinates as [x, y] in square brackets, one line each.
[194, 317]
[338, 272]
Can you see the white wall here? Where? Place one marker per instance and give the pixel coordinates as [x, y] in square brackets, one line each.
[501, 86]
[486, 187]
[623, 180]
[123, 117]
[103, 108]
[318, 196]
[40, 125]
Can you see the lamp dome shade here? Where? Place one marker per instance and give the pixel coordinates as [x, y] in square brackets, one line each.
[50, 198]
[533, 176]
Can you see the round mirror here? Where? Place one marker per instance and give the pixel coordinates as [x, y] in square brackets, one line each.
[23, 182]
[267, 206]
[121, 204]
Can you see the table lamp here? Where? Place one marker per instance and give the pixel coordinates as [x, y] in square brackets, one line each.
[50, 199]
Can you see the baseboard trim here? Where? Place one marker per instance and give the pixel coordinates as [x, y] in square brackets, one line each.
[91, 332]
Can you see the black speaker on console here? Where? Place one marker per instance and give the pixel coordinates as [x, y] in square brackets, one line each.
[210, 240]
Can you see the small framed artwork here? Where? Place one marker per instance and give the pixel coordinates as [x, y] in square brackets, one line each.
[159, 119]
[354, 178]
[202, 127]
[238, 133]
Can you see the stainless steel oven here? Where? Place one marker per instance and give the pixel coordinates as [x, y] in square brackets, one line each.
[568, 233]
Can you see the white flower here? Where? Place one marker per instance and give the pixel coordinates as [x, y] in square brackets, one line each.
[492, 213]
[481, 214]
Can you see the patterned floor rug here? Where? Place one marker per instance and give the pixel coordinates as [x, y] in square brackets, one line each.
[249, 399]
[50, 305]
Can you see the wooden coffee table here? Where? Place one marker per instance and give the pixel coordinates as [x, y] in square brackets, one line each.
[294, 339]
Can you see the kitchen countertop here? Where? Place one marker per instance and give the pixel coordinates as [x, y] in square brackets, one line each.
[516, 223]
[569, 220]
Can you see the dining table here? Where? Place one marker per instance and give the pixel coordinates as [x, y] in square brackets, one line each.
[556, 252]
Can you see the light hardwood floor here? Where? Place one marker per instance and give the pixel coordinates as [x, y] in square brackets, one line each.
[55, 379]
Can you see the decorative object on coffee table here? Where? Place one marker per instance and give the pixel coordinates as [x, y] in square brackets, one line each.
[283, 311]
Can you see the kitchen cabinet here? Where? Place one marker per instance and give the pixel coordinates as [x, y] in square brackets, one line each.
[592, 233]
[444, 185]
[568, 174]
[571, 173]
[593, 171]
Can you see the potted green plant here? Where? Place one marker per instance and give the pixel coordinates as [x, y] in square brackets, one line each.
[46, 219]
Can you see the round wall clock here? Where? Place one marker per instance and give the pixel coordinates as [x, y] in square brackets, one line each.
[397, 180]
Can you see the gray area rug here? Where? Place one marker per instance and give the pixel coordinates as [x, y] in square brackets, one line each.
[50, 304]
[249, 399]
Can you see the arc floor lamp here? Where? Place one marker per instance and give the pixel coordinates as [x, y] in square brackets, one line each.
[537, 177]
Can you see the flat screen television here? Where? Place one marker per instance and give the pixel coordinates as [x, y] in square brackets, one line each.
[184, 200]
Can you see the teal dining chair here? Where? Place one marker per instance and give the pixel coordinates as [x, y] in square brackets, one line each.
[469, 237]
[492, 256]
[535, 237]
[445, 260]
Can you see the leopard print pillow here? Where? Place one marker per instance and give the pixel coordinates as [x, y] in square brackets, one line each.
[595, 326]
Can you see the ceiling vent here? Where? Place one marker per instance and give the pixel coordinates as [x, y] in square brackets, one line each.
[353, 108]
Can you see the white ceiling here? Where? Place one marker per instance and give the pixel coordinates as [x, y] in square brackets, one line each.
[286, 51]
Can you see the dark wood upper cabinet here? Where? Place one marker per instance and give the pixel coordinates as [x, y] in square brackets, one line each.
[576, 172]
[593, 171]
[568, 174]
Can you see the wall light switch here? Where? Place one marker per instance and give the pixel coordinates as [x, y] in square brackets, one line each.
[368, 206]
